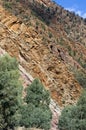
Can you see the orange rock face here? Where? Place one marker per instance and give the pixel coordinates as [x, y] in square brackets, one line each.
[37, 58]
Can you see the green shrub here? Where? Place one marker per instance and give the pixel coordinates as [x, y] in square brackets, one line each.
[8, 5]
[74, 117]
[36, 112]
[10, 96]
[81, 78]
[50, 35]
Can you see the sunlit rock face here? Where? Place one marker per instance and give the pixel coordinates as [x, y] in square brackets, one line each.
[37, 52]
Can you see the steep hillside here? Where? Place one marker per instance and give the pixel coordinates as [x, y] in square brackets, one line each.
[61, 30]
[26, 79]
[37, 38]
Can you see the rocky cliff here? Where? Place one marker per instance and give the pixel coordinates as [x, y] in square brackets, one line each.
[49, 43]
[41, 48]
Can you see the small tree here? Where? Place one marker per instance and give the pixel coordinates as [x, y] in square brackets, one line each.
[9, 94]
[37, 94]
[36, 111]
[74, 117]
[81, 78]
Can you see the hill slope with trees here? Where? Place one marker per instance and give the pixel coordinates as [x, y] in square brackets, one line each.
[41, 50]
[49, 42]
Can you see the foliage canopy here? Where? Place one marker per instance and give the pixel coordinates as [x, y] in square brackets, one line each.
[36, 112]
[74, 117]
[9, 92]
